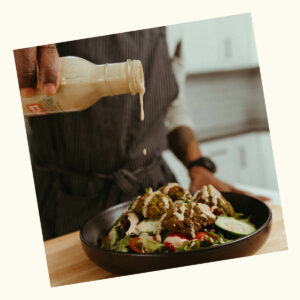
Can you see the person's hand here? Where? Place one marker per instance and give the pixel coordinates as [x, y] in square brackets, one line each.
[201, 176]
[46, 58]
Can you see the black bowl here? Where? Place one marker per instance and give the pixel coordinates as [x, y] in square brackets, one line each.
[130, 263]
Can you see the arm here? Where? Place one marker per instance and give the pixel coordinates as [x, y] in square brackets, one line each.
[182, 139]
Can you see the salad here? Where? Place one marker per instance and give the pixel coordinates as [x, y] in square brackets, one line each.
[172, 219]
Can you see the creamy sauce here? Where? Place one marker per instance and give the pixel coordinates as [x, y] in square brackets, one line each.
[166, 203]
[142, 106]
[146, 203]
[182, 208]
[133, 219]
[204, 216]
[178, 202]
[187, 194]
[158, 236]
[192, 209]
[214, 194]
[169, 186]
[176, 241]
[193, 232]
[206, 210]
[144, 236]
[195, 196]
[205, 193]
[135, 203]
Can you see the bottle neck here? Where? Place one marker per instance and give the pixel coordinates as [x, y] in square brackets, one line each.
[120, 78]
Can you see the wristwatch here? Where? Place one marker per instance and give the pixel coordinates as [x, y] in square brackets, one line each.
[204, 162]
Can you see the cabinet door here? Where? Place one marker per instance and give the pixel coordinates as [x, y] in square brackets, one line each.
[268, 172]
[247, 159]
[200, 46]
[235, 42]
[222, 153]
[219, 44]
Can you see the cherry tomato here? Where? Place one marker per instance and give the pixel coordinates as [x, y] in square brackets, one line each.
[202, 236]
[216, 210]
[135, 245]
[104, 240]
[212, 235]
[171, 246]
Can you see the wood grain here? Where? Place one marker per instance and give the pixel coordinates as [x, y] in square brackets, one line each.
[68, 263]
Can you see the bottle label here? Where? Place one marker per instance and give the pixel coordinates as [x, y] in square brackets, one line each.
[45, 106]
[36, 109]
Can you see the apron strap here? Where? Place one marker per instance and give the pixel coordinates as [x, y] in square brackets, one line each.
[126, 180]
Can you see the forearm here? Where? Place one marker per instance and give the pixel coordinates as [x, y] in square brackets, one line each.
[183, 142]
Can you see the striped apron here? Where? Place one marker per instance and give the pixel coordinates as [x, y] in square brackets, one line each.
[84, 162]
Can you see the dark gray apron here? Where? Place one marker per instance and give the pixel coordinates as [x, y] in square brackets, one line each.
[84, 162]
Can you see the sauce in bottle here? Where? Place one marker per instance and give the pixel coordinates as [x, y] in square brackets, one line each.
[83, 83]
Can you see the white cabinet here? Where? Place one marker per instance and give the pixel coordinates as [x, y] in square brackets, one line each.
[243, 159]
[219, 44]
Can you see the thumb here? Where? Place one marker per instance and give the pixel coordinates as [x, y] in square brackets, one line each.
[193, 185]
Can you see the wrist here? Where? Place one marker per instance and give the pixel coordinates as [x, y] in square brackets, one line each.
[203, 162]
[192, 153]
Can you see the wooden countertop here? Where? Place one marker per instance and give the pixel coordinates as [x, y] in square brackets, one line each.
[68, 263]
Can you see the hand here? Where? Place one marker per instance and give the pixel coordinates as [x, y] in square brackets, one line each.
[47, 59]
[201, 176]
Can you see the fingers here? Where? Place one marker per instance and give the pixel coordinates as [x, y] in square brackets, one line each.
[26, 61]
[49, 67]
[262, 198]
[193, 186]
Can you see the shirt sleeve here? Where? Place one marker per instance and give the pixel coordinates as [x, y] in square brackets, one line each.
[177, 113]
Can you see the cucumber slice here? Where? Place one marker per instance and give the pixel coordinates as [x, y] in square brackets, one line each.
[149, 226]
[232, 225]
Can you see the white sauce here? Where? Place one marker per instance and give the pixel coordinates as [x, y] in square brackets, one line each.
[179, 216]
[193, 232]
[204, 216]
[158, 236]
[176, 241]
[135, 203]
[195, 195]
[192, 209]
[142, 105]
[134, 220]
[146, 203]
[182, 207]
[215, 195]
[192, 213]
[205, 209]
[167, 188]
[205, 193]
[187, 194]
[166, 203]
[178, 202]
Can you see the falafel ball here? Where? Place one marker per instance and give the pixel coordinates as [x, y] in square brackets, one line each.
[174, 191]
[212, 197]
[153, 205]
[188, 218]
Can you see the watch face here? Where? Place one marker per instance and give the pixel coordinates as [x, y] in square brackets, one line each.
[209, 164]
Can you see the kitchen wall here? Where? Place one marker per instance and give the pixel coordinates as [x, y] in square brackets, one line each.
[226, 103]
[224, 95]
